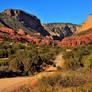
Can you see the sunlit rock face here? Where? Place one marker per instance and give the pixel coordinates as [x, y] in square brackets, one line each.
[87, 24]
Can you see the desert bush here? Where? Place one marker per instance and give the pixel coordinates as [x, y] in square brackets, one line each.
[88, 61]
[26, 58]
[78, 57]
[70, 81]
[25, 90]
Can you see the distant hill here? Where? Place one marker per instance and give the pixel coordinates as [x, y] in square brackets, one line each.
[67, 29]
[60, 29]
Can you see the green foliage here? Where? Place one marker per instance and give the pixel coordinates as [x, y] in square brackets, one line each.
[26, 58]
[3, 53]
[78, 57]
[59, 68]
[88, 61]
[25, 90]
[14, 64]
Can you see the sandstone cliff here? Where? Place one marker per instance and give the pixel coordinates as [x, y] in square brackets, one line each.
[85, 26]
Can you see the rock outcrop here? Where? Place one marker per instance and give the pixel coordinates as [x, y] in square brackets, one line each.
[60, 30]
[77, 40]
[21, 26]
[21, 32]
[11, 35]
[18, 19]
[86, 25]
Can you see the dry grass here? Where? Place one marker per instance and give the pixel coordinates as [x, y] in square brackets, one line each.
[69, 81]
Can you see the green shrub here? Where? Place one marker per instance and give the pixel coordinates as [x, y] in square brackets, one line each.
[88, 61]
[78, 57]
[25, 90]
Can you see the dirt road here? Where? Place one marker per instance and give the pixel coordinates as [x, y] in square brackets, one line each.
[10, 84]
[6, 83]
[59, 61]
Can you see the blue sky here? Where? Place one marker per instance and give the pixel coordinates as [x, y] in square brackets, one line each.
[51, 11]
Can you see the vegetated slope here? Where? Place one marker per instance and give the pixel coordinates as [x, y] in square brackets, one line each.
[75, 75]
[60, 30]
[17, 59]
[78, 57]
[18, 19]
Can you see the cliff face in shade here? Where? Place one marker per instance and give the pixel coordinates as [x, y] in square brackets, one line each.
[18, 19]
[60, 29]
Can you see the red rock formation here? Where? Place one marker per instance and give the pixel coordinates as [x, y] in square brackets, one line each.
[2, 33]
[7, 30]
[28, 36]
[1, 39]
[49, 37]
[21, 32]
[21, 36]
[77, 40]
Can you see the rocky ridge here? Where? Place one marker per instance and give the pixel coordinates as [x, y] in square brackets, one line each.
[60, 30]
[18, 19]
[17, 25]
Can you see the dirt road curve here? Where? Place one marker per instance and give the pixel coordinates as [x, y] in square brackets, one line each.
[6, 83]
